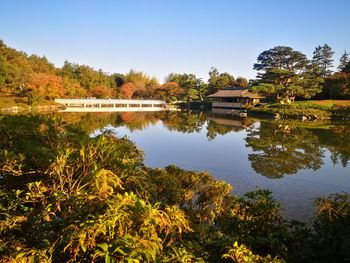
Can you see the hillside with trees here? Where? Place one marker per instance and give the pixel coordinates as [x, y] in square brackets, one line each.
[283, 75]
[35, 79]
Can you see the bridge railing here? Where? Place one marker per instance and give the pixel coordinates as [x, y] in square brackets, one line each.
[108, 101]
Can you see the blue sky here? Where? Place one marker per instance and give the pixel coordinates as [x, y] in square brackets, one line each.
[163, 36]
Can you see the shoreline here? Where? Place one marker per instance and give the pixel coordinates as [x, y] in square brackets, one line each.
[285, 112]
[309, 114]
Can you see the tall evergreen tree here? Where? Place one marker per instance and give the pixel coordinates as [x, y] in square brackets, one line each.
[280, 57]
[323, 58]
[344, 59]
[346, 69]
[284, 74]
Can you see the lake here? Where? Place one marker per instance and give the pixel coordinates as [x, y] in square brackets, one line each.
[298, 161]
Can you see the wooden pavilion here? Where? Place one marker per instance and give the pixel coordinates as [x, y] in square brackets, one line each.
[234, 98]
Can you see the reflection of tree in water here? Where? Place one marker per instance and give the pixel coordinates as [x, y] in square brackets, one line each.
[280, 149]
[184, 121]
[222, 124]
[337, 141]
[192, 121]
[136, 121]
[214, 129]
[91, 122]
[88, 121]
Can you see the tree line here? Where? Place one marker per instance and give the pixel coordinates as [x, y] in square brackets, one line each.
[35, 78]
[283, 74]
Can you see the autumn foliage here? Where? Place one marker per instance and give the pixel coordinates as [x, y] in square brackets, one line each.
[127, 90]
[47, 86]
[101, 92]
[169, 91]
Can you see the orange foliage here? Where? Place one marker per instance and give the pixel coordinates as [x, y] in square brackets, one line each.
[169, 90]
[127, 116]
[127, 90]
[101, 92]
[46, 86]
[173, 88]
[241, 82]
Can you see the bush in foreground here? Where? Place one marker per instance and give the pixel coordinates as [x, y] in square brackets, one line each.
[66, 197]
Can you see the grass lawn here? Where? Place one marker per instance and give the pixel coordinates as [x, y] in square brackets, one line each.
[331, 102]
[314, 104]
[7, 101]
[311, 109]
[10, 101]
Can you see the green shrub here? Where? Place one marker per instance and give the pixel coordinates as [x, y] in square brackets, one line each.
[67, 197]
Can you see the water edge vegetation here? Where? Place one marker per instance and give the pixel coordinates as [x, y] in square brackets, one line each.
[68, 197]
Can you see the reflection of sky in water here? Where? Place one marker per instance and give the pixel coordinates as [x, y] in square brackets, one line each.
[226, 157]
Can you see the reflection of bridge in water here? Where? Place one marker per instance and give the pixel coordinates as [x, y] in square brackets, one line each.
[108, 105]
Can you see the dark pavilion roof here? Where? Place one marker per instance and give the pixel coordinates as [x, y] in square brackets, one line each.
[235, 92]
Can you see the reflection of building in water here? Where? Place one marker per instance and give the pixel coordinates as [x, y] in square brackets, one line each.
[233, 100]
[236, 112]
[236, 124]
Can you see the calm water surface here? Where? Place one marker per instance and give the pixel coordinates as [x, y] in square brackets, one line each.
[297, 161]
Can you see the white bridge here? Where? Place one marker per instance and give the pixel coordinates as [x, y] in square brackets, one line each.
[98, 105]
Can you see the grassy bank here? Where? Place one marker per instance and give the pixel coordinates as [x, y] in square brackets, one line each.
[11, 101]
[15, 104]
[321, 109]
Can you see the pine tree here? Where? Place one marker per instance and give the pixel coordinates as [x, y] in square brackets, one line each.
[346, 69]
[323, 58]
[344, 59]
[286, 74]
